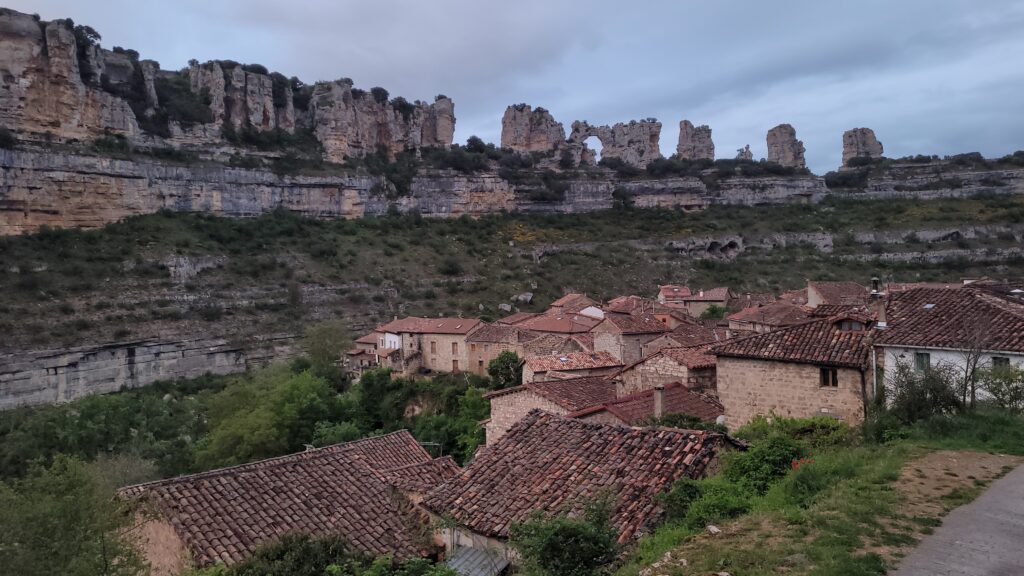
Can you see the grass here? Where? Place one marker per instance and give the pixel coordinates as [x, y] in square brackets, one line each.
[838, 515]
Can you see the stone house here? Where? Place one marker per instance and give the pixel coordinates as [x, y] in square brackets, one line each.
[820, 367]
[698, 302]
[408, 345]
[759, 319]
[967, 327]
[694, 367]
[490, 340]
[559, 323]
[555, 344]
[362, 491]
[562, 397]
[573, 303]
[630, 305]
[836, 293]
[673, 295]
[551, 463]
[570, 365]
[623, 335]
[685, 335]
[362, 356]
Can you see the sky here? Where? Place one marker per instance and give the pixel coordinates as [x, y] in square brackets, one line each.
[929, 76]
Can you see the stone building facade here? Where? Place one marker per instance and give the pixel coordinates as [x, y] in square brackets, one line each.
[508, 407]
[662, 369]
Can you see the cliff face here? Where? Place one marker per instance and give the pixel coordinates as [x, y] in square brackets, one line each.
[524, 129]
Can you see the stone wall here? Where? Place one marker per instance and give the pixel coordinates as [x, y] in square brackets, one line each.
[748, 387]
[650, 373]
[439, 356]
[507, 409]
[482, 353]
[57, 376]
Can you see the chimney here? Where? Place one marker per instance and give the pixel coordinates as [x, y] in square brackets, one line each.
[659, 400]
[878, 304]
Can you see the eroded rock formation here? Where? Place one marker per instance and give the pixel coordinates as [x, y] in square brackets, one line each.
[784, 148]
[744, 153]
[636, 143]
[695, 142]
[530, 130]
[860, 143]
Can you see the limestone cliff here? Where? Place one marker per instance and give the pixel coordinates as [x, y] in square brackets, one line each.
[524, 129]
[860, 143]
[695, 142]
[784, 148]
[635, 143]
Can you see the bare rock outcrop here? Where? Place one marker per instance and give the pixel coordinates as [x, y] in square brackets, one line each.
[695, 142]
[438, 123]
[524, 129]
[860, 143]
[784, 148]
[744, 153]
[636, 143]
[209, 77]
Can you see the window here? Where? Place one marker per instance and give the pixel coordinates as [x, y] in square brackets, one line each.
[829, 377]
[480, 366]
[850, 326]
[1000, 361]
[922, 360]
[433, 347]
[455, 365]
[472, 347]
[455, 347]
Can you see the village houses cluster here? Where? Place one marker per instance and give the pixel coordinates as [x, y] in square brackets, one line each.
[598, 379]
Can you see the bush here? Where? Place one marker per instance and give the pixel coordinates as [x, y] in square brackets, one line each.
[814, 475]
[621, 168]
[918, 394]
[112, 143]
[505, 371]
[719, 500]
[1006, 386]
[379, 94]
[450, 267]
[816, 432]
[679, 498]
[563, 546]
[713, 312]
[851, 179]
[764, 463]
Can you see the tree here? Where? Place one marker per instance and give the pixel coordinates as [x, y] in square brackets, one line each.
[475, 144]
[505, 371]
[973, 337]
[325, 343]
[914, 395]
[1006, 386]
[713, 312]
[65, 520]
[565, 546]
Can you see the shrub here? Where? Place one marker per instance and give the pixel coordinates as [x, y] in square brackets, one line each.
[853, 179]
[450, 267]
[713, 312]
[816, 432]
[621, 168]
[404, 107]
[918, 394]
[764, 463]
[679, 498]
[506, 370]
[719, 500]
[379, 94]
[1006, 386]
[684, 422]
[475, 144]
[563, 546]
[112, 143]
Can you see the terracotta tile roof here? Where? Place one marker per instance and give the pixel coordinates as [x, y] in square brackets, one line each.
[750, 300]
[560, 323]
[720, 294]
[585, 340]
[575, 393]
[386, 451]
[780, 313]
[637, 407]
[670, 292]
[798, 297]
[223, 515]
[840, 292]
[574, 302]
[635, 324]
[572, 361]
[517, 317]
[370, 338]
[548, 462]
[630, 305]
[692, 334]
[423, 476]
[548, 344]
[904, 286]
[953, 318]
[501, 334]
[814, 342]
[691, 357]
[415, 325]
[824, 310]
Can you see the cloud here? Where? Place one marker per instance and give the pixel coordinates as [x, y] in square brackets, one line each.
[930, 76]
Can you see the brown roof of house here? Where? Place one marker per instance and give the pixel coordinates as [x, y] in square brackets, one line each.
[693, 357]
[779, 313]
[840, 292]
[560, 323]
[814, 342]
[750, 300]
[630, 305]
[639, 406]
[415, 325]
[673, 291]
[223, 515]
[575, 393]
[720, 294]
[548, 344]
[958, 318]
[422, 477]
[517, 317]
[572, 361]
[798, 297]
[692, 334]
[574, 302]
[501, 334]
[547, 462]
[635, 324]
[585, 340]
[370, 338]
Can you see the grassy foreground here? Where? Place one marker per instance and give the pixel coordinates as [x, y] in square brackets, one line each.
[845, 510]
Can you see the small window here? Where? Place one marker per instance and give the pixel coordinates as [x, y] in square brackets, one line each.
[487, 347]
[455, 347]
[480, 365]
[433, 347]
[922, 360]
[472, 347]
[829, 377]
[1000, 361]
[455, 365]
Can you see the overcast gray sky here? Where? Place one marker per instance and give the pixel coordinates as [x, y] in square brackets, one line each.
[929, 76]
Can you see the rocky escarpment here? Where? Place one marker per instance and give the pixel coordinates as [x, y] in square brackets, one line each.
[695, 142]
[783, 147]
[860, 143]
[58, 85]
[63, 375]
[636, 143]
[524, 129]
